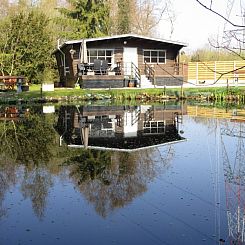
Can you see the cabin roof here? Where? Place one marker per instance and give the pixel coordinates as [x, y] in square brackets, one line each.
[88, 40]
[127, 150]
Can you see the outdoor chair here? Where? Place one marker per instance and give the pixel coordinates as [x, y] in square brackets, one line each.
[104, 67]
[97, 66]
[80, 69]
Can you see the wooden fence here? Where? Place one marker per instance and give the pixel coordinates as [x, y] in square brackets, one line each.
[216, 70]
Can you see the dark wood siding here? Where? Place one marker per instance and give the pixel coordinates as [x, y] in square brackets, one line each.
[112, 82]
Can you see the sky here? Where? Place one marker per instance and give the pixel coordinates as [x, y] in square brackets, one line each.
[195, 25]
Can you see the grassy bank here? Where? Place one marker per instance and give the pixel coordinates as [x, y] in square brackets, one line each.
[65, 94]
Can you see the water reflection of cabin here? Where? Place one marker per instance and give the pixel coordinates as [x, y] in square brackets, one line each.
[129, 127]
[120, 61]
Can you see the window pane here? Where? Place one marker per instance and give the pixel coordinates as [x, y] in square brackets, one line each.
[153, 53]
[147, 59]
[161, 124]
[146, 53]
[93, 52]
[101, 52]
[161, 60]
[154, 124]
[108, 59]
[92, 59]
[108, 53]
[153, 59]
[161, 53]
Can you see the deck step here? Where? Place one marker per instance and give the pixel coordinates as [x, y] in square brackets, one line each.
[145, 82]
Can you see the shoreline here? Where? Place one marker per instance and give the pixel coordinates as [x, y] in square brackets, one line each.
[35, 95]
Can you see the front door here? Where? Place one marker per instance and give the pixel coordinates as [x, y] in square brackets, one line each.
[129, 55]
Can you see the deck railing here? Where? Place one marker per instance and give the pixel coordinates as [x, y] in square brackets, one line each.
[150, 73]
[135, 72]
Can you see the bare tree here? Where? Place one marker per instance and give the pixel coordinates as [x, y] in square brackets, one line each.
[142, 16]
[233, 38]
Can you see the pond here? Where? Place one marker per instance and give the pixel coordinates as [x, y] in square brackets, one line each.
[171, 173]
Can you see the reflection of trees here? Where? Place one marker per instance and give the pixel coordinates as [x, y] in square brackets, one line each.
[94, 164]
[30, 139]
[7, 179]
[111, 180]
[36, 185]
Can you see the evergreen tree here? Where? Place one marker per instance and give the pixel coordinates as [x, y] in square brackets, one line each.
[87, 18]
[124, 12]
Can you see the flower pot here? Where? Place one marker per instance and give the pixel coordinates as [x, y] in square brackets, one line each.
[24, 88]
[131, 84]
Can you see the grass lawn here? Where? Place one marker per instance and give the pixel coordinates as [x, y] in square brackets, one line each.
[35, 92]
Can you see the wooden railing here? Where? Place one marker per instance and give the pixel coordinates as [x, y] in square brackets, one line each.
[135, 72]
[150, 73]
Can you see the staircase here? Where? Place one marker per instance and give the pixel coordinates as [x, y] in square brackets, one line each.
[145, 82]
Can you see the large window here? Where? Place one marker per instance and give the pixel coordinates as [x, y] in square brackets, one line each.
[154, 56]
[101, 54]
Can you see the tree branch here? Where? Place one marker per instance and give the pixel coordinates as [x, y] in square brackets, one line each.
[220, 15]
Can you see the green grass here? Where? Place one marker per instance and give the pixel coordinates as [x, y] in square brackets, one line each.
[118, 94]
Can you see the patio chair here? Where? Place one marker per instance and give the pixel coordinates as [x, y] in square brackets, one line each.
[104, 67]
[97, 66]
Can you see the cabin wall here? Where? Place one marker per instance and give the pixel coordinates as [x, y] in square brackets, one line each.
[161, 69]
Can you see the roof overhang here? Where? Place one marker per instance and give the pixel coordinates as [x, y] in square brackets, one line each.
[135, 36]
[127, 150]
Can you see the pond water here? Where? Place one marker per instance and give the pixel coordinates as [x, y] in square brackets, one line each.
[100, 174]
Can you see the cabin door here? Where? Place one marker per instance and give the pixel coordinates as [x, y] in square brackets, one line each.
[129, 55]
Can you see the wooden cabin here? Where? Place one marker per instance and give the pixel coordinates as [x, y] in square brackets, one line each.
[119, 61]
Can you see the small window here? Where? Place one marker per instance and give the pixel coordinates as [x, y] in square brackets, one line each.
[154, 56]
[101, 54]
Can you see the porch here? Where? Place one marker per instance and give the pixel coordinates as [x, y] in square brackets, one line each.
[129, 75]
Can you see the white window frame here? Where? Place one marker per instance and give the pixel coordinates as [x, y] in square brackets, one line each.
[155, 50]
[99, 57]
